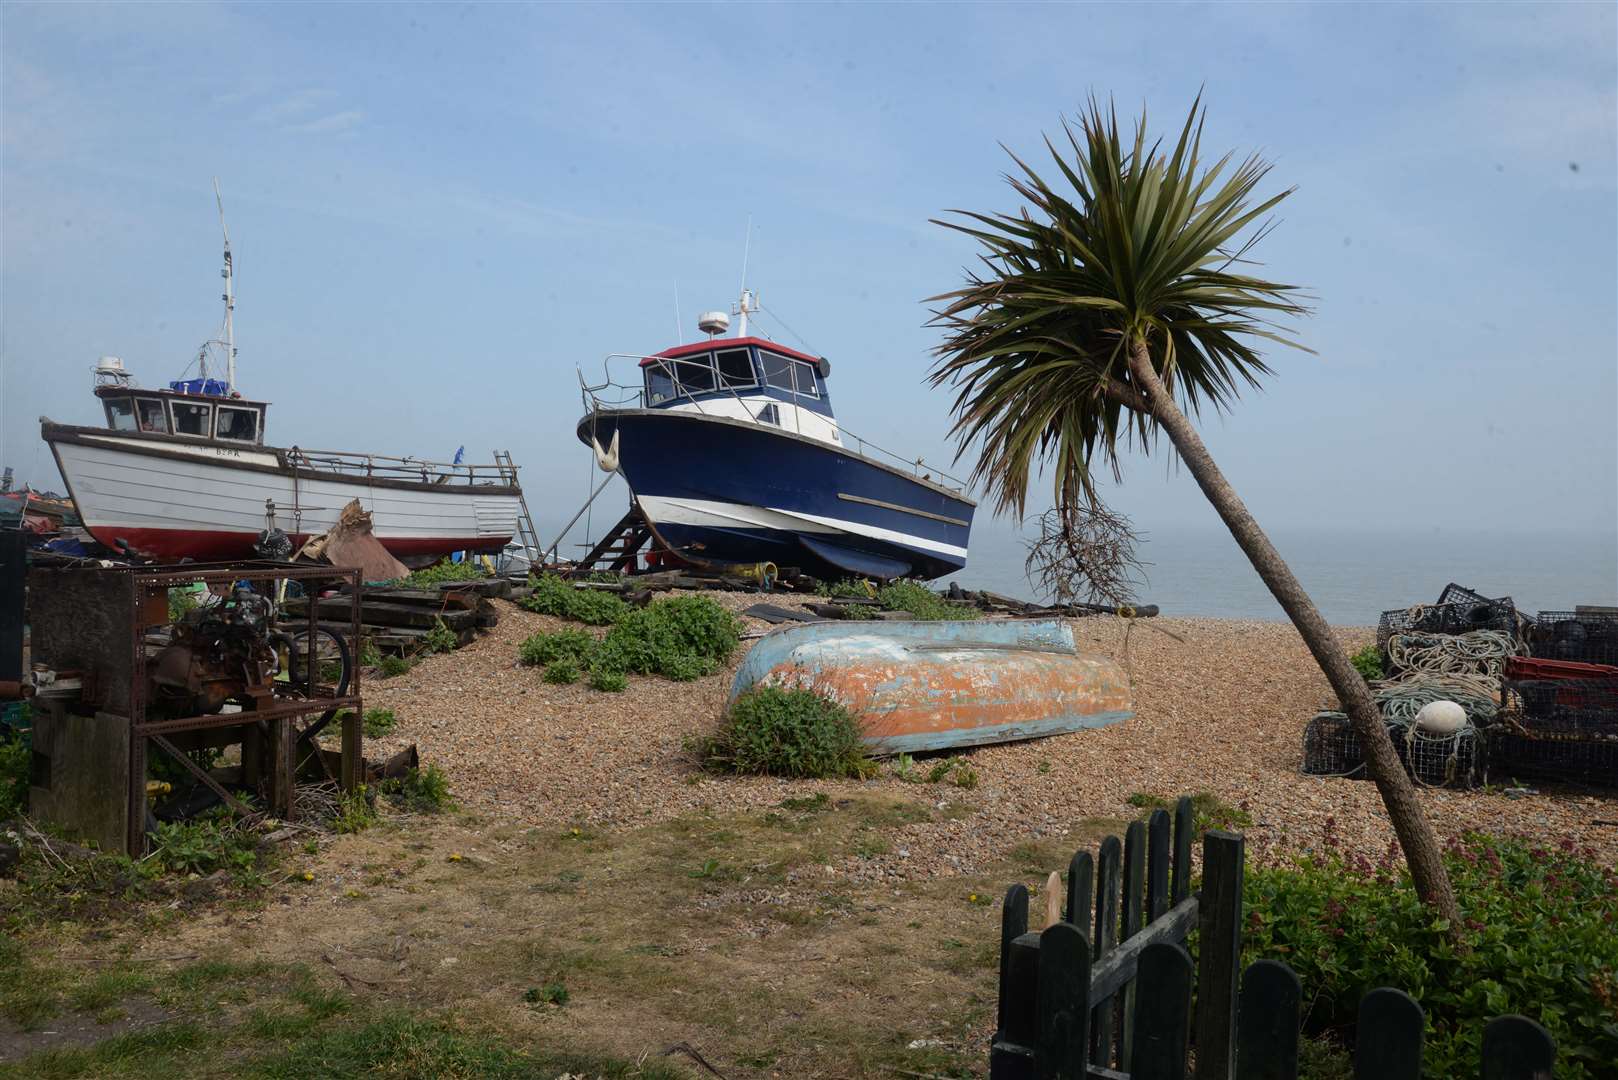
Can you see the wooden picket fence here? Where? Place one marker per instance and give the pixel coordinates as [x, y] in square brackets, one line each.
[1122, 1008]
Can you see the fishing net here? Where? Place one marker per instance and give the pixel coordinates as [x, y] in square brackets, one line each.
[1330, 746]
[1476, 652]
[1515, 754]
[1458, 611]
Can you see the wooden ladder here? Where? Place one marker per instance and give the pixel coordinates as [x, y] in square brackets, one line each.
[618, 548]
[526, 534]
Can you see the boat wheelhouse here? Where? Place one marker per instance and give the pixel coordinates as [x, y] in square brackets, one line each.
[733, 453]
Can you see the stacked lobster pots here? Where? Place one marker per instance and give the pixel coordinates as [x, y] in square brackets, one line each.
[1475, 692]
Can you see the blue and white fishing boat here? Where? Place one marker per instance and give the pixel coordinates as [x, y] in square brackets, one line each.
[733, 454]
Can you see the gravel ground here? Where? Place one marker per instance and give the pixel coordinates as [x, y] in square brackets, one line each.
[1220, 707]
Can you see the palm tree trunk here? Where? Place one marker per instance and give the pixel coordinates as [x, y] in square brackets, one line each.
[1415, 832]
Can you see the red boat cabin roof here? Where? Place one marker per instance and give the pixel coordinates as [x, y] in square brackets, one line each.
[710, 344]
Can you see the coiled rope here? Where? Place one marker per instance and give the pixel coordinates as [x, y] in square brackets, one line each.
[1476, 652]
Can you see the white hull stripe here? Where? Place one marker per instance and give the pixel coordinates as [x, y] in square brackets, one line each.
[729, 515]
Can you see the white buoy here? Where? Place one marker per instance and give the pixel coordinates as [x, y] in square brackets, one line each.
[1441, 718]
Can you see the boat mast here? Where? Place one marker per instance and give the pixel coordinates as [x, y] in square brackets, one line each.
[229, 297]
[749, 300]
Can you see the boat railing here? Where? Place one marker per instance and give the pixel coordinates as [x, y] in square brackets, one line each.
[416, 470]
[609, 394]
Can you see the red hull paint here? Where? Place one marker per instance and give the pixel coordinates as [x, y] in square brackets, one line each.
[203, 544]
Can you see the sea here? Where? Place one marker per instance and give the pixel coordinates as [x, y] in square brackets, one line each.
[1352, 576]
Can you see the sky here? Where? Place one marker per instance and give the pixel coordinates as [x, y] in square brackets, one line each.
[441, 213]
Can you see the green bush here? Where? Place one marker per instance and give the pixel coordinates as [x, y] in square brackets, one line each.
[1368, 662]
[16, 756]
[202, 845]
[431, 576]
[681, 637]
[378, 722]
[921, 602]
[1537, 938]
[613, 682]
[356, 811]
[550, 595]
[391, 666]
[440, 639]
[795, 733]
[541, 649]
[426, 790]
[562, 672]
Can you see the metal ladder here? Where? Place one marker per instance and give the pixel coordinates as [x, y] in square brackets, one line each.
[618, 548]
[526, 534]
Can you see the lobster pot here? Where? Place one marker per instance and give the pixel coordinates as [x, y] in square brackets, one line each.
[1563, 708]
[1451, 760]
[1577, 636]
[1331, 748]
[1514, 754]
[1458, 610]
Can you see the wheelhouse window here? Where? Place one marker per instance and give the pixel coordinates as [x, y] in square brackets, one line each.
[152, 415]
[191, 418]
[695, 374]
[659, 385]
[120, 414]
[237, 424]
[735, 369]
[769, 414]
[787, 374]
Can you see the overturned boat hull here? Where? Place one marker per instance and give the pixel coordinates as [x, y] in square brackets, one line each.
[921, 686]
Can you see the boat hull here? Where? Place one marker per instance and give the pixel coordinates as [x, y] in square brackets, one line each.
[920, 686]
[738, 491]
[173, 499]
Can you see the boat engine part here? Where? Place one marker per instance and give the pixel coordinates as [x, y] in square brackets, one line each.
[219, 652]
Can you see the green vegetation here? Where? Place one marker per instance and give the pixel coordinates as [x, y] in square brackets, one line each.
[955, 770]
[440, 639]
[680, 638]
[921, 602]
[795, 733]
[205, 844]
[181, 601]
[432, 576]
[423, 790]
[356, 810]
[1368, 662]
[550, 595]
[370, 656]
[550, 994]
[562, 672]
[378, 722]
[1208, 811]
[1536, 937]
[391, 666]
[16, 754]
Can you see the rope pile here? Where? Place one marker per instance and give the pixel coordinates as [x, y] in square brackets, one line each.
[1476, 652]
[1401, 699]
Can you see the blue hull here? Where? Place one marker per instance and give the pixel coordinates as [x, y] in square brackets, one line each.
[736, 491]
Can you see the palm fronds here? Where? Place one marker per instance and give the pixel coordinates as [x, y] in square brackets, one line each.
[1147, 247]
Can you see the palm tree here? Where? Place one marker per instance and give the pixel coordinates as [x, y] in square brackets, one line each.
[1098, 320]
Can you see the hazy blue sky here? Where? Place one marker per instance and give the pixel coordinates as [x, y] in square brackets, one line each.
[438, 212]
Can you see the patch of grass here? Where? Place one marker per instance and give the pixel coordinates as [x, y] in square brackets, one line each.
[562, 672]
[440, 639]
[1208, 811]
[921, 602]
[356, 810]
[554, 993]
[955, 770]
[818, 803]
[612, 682]
[16, 757]
[781, 732]
[378, 722]
[392, 666]
[432, 576]
[1368, 662]
[423, 790]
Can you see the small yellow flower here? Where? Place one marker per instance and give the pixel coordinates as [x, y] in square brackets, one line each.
[973, 898]
[455, 856]
[307, 876]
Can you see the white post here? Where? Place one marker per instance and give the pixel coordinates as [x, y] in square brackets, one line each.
[229, 297]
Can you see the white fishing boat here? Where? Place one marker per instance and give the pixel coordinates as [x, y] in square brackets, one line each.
[183, 472]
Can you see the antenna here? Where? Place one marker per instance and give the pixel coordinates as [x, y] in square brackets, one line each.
[679, 331]
[229, 297]
[747, 303]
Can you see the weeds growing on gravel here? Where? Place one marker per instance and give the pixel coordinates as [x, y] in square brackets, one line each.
[793, 733]
[680, 638]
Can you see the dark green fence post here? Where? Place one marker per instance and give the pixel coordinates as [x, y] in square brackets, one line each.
[1064, 1002]
[1163, 1013]
[1185, 830]
[1081, 884]
[1267, 1023]
[1219, 952]
[1388, 1043]
[1517, 1048]
[1157, 865]
[1129, 924]
[1107, 890]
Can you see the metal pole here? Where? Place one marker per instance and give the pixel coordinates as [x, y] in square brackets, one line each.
[550, 551]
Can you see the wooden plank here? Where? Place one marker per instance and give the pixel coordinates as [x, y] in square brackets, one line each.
[1517, 1048]
[1163, 1020]
[1267, 1023]
[1388, 1046]
[378, 613]
[1108, 887]
[1129, 924]
[460, 600]
[1111, 974]
[1219, 952]
[1064, 1002]
[1081, 877]
[1185, 827]
[1022, 992]
[1013, 925]
[1157, 864]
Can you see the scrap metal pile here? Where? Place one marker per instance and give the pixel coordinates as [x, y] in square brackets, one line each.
[1535, 696]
